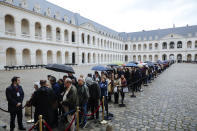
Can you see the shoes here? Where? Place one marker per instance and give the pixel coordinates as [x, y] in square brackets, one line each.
[83, 125]
[91, 118]
[22, 128]
[11, 129]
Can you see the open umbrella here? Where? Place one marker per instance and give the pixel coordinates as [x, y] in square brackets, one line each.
[133, 62]
[131, 65]
[112, 65]
[60, 68]
[101, 68]
[118, 63]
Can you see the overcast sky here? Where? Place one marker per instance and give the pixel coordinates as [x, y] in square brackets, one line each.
[135, 15]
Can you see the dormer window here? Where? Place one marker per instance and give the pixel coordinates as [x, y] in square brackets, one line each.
[139, 38]
[171, 35]
[66, 19]
[73, 21]
[23, 3]
[37, 8]
[150, 37]
[9, 1]
[57, 15]
[48, 12]
[145, 38]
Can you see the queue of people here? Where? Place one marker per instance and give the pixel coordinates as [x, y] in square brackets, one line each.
[53, 98]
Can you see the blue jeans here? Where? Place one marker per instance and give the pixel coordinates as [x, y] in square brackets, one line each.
[84, 110]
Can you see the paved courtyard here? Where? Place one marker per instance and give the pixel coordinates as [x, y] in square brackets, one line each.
[168, 103]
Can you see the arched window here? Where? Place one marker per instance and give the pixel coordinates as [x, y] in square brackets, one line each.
[150, 46]
[164, 45]
[9, 25]
[38, 31]
[196, 44]
[66, 36]
[156, 46]
[26, 57]
[144, 47]
[134, 47]
[189, 44]
[10, 57]
[25, 28]
[73, 36]
[171, 45]
[82, 38]
[48, 32]
[139, 47]
[179, 44]
[58, 36]
[88, 39]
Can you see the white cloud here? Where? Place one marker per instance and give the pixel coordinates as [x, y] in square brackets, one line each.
[134, 15]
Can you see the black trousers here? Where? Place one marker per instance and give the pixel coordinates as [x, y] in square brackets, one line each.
[13, 115]
[93, 106]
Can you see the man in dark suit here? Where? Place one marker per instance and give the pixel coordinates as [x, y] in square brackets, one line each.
[15, 95]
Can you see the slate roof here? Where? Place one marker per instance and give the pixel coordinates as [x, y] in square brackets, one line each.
[155, 34]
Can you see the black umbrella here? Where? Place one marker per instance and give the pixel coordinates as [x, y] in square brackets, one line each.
[133, 62]
[112, 65]
[60, 68]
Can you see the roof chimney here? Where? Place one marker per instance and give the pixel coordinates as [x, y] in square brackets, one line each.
[173, 25]
[187, 25]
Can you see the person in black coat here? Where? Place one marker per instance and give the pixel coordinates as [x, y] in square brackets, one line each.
[15, 96]
[44, 100]
[94, 96]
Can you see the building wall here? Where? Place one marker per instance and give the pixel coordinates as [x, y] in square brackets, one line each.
[31, 43]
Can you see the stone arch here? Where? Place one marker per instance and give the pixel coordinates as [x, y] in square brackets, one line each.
[139, 58]
[26, 57]
[189, 44]
[179, 58]
[89, 58]
[150, 58]
[48, 32]
[189, 57]
[58, 34]
[156, 58]
[88, 39]
[39, 57]
[67, 57]
[139, 47]
[144, 47]
[59, 57]
[164, 57]
[11, 57]
[83, 38]
[66, 38]
[144, 58]
[73, 37]
[179, 44]
[134, 58]
[49, 57]
[9, 24]
[172, 45]
[195, 57]
[126, 58]
[134, 47]
[171, 57]
[25, 27]
[38, 30]
[83, 57]
[94, 58]
[164, 45]
[73, 58]
[156, 46]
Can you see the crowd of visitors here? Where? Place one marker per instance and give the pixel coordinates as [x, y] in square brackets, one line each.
[56, 100]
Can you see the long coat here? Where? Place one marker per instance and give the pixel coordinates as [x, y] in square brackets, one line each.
[43, 99]
[13, 99]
